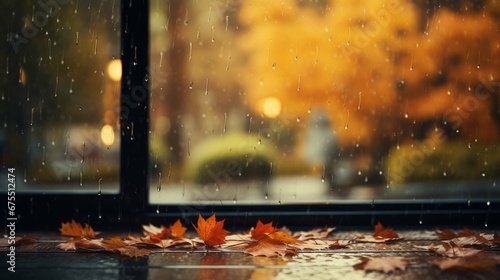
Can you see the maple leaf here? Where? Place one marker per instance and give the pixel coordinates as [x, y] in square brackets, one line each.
[320, 233]
[380, 235]
[384, 233]
[177, 229]
[174, 231]
[261, 230]
[75, 229]
[283, 237]
[113, 243]
[388, 264]
[211, 231]
[270, 248]
[478, 262]
[468, 238]
[450, 249]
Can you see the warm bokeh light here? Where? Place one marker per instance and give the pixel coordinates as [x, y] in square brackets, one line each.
[107, 135]
[115, 70]
[271, 107]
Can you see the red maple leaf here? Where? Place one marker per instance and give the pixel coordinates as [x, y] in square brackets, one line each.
[383, 233]
[211, 231]
[262, 230]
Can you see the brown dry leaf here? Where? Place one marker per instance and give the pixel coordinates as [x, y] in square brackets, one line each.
[113, 243]
[164, 243]
[340, 244]
[84, 244]
[75, 229]
[261, 230]
[385, 265]
[468, 238]
[270, 248]
[478, 262]
[450, 249]
[312, 244]
[67, 246]
[380, 235]
[319, 233]
[211, 231]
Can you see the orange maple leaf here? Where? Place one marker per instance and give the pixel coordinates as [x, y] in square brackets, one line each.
[211, 231]
[174, 231]
[75, 229]
[381, 232]
[283, 237]
[270, 248]
[177, 229]
[262, 230]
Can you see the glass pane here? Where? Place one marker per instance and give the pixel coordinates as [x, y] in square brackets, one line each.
[280, 102]
[60, 95]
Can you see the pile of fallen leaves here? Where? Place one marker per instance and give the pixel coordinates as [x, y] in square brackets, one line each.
[461, 251]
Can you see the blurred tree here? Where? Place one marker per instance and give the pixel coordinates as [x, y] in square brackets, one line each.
[342, 58]
[375, 67]
[455, 77]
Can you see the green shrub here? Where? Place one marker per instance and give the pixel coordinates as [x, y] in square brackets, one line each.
[449, 161]
[231, 157]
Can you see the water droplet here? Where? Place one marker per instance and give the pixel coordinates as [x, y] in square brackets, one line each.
[225, 123]
[298, 119]
[95, 46]
[346, 125]
[266, 196]
[158, 187]
[488, 203]
[43, 155]
[158, 209]
[468, 202]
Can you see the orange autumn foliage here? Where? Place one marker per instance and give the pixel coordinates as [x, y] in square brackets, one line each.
[261, 230]
[211, 231]
[75, 229]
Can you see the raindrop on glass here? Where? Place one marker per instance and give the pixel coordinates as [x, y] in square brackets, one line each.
[346, 125]
[99, 190]
[158, 187]
[43, 155]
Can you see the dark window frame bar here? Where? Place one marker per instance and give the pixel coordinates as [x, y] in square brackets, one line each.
[130, 207]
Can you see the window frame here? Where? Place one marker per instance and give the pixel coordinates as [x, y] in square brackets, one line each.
[130, 207]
